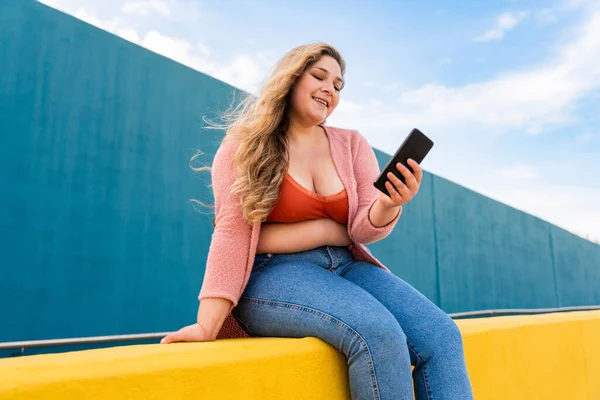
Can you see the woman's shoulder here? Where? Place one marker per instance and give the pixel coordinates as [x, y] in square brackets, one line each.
[344, 133]
[229, 142]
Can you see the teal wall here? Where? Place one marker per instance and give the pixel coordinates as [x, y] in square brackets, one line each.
[99, 236]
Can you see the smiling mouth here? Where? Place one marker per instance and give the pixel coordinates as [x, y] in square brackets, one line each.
[322, 102]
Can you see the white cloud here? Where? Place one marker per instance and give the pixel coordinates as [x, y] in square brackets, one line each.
[203, 49]
[584, 138]
[143, 8]
[349, 106]
[519, 172]
[129, 34]
[113, 25]
[92, 19]
[135, 12]
[467, 121]
[376, 103]
[444, 61]
[571, 4]
[52, 3]
[392, 87]
[245, 71]
[504, 23]
[176, 49]
[527, 100]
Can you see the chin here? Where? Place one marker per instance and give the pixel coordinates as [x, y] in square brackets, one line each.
[317, 119]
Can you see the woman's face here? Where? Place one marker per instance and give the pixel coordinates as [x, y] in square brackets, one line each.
[317, 92]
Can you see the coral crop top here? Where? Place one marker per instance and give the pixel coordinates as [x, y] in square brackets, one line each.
[296, 203]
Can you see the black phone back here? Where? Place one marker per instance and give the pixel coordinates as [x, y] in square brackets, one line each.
[415, 146]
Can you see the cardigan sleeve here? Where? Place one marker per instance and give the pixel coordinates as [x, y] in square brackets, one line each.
[230, 243]
[366, 170]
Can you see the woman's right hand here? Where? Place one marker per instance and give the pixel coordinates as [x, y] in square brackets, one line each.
[190, 333]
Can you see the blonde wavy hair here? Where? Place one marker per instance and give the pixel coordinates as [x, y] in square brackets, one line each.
[260, 124]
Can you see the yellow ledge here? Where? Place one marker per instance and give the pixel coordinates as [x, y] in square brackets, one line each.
[552, 356]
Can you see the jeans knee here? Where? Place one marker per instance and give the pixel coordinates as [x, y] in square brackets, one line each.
[384, 330]
[450, 335]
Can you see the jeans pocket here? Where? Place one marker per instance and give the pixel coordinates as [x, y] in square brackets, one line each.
[261, 261]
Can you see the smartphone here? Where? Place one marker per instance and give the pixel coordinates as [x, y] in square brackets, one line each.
[415, 146]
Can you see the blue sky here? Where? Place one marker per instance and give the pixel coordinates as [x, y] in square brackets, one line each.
[509, 90]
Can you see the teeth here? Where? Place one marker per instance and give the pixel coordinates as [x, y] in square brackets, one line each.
[320, 101]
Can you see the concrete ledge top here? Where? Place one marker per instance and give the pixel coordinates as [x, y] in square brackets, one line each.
[527, 356]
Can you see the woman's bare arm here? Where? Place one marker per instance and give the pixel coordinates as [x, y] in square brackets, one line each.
[212, 313]
[300, 236]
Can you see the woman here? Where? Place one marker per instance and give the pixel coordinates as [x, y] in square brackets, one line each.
[294, 207]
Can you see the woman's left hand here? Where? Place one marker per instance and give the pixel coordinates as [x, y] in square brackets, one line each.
[401, 193]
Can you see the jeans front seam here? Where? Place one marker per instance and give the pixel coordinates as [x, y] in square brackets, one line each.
[335, 260]
[347, 268]
[326, 251]
[263, 264]
[331, 318]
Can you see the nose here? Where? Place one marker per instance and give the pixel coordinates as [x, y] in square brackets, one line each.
[327, 88]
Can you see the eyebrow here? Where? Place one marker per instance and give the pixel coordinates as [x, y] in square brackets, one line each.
[337, 78]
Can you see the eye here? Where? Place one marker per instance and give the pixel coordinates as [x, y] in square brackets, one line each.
[337, 89]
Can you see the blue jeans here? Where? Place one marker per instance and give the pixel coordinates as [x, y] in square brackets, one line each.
[379, 322]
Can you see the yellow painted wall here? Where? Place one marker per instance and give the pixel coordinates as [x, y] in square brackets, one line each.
[552, 356]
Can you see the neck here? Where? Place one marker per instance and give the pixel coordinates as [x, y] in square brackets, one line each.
[303, 134]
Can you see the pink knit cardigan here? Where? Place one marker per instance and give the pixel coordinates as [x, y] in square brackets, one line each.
[234, 241]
